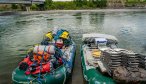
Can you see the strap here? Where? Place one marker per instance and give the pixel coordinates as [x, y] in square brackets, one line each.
[49, 49]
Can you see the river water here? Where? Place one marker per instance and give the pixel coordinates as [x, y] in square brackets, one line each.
[19, 32]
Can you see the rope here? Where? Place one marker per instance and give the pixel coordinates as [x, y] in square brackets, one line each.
[30, 81]
[61, 53]
[39, 77]
[67, 64]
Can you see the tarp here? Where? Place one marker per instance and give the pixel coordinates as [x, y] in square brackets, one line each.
[97, 35]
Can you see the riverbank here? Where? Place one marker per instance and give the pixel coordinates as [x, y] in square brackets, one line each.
[74, 5]
[69, 11]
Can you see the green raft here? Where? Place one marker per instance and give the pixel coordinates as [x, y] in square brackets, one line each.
[52, 75]
[93, 75]
[57, 77]
[104, 63]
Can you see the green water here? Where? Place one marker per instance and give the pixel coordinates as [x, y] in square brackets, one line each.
[20, 32]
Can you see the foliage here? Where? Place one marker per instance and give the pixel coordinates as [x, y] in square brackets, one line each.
[48, 3]
[14, 6]
[78, 4]
[135, 3]
[100, 3]
[65, 5]
[34, 7]
[5, 7]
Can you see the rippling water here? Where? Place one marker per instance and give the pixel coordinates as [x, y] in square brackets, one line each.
[20, 32]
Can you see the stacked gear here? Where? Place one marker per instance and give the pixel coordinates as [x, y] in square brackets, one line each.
[43, 60]
[61, 38]
[130, 59]
[142, 61]
[124, 65]
[113, 59]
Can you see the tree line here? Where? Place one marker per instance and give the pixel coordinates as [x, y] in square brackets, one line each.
[76, 4]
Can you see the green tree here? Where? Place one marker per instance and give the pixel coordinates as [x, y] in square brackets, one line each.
[48, 4]
[100, 3]
[79, 3]
[14, 6]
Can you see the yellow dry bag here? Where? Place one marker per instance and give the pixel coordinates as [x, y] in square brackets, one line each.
[49, 35]
[65, 35]
[96, 53]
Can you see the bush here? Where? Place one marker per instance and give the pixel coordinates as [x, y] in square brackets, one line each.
[48, 4]
[78, 4]
[91, 4]
[101, 3]
[34, 7]
[135, 3]
[4, 7]
[62, 5]
[14, 6]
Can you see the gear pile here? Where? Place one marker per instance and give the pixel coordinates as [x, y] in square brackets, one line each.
[125, 65]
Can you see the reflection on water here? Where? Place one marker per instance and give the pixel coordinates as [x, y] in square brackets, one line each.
[96, 20]
[18, 33]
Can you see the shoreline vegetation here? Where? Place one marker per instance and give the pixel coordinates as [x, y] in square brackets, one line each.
[59, 5]
[72, 5]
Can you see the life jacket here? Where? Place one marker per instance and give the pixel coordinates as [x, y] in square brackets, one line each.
[23, 65]
[40, 69]
[39, 56]
[26, 60]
